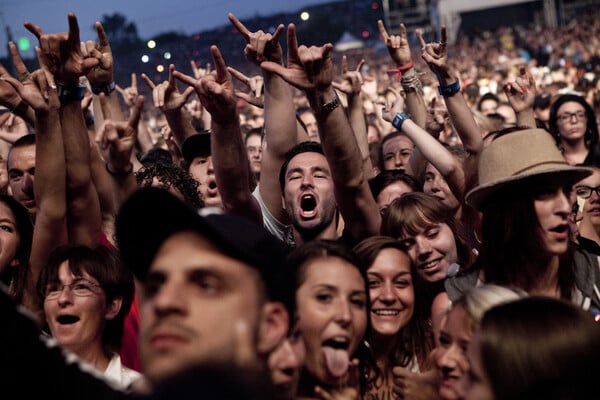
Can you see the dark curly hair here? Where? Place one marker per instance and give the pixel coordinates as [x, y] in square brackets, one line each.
[170, 174]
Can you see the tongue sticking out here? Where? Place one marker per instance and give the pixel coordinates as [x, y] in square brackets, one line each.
[337, 361]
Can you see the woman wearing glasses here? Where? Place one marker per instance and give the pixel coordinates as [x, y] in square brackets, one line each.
[573, 125]
[588, 211]
[86, 294]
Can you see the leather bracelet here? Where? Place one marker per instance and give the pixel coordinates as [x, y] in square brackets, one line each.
[106, 89]
[126, 172]
[328, 107]
[70, 93]
[449, 90]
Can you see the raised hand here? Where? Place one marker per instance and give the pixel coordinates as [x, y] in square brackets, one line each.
[435, 54]
[101, 74]
[521, 92]
[9, 97]
[309, 68]
[437, 117]
[215, 91]
[130, 93]
[38, 89]
[199, 72]
[166, 96]
[116, 139]
[63, 54]
[397, 45]
[352, 81]
[260, 46]
[415, 386]
[255, 84]
[390, 110]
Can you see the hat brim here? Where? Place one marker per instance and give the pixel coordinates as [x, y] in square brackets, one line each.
[478, 197]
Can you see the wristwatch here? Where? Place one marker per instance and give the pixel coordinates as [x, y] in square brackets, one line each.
[398, 120]
[449, 90]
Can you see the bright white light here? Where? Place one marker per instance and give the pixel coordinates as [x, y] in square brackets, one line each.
[304, 15]
[145, 58]
[160, 68]
[151, 44]
[167, 55]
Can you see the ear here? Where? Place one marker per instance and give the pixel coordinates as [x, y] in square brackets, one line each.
[282, 201]
[113, 308]
[273, 328]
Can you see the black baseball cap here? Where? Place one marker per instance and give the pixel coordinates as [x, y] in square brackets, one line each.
[197, 145]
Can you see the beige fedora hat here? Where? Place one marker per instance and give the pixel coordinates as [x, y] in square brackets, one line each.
[519, 155]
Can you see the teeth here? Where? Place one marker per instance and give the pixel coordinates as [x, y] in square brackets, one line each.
[428, 265]
[386, 312]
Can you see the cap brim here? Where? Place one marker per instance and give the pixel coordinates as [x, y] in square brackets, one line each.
[478, 196]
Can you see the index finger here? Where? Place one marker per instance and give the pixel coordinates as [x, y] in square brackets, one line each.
[104, 107]
[420, 37]
[134, 81]
[241, 28]
[443, 34]
[102, 38]
[220, 66]
[20, 67]
[238, 75]
[73, 37]
[36, 30]
[344, 65]
[382, 30]
[150, 84]
[360, 65]
[136, 112]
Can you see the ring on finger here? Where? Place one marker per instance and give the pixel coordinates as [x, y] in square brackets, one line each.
[23, 76]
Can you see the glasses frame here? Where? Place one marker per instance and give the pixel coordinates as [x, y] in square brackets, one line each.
[55, 294]
[591, 189]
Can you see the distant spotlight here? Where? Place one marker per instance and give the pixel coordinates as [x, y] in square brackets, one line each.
[304, 15]
[151, 44]
[145, 58]
[374, 5]
[23, 44]
[160, 68]
[365, 34]
[196, 37]
[167, 55]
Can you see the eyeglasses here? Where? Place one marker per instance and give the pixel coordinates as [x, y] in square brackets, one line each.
[579, 115]
[80, 288]
[585, 191]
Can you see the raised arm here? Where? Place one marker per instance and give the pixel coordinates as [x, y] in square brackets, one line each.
[230, 159]
[311, 69]
[50, 229]
[351, 86]
[280, 114]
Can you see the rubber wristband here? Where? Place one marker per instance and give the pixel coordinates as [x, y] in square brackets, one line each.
[449, 90]
[398, 120]
[70, 93]
[128, 171]
[106, 89]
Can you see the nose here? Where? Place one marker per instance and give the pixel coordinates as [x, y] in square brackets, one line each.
[287, 361]
[343, 313]
[423, 247]
[563, 206]
[307, 180]
[66, 296]
[210, 168]
[387, 293]
[169, 299]
[27, 185]
[399, 160]
[447, 359]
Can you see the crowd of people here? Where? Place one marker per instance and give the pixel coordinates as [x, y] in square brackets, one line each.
[335, 227]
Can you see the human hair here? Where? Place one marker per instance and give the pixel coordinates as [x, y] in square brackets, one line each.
[487, 96]
[411, 212]
[387, 177]
[412, 340]
[591, 131]
[23, 141]
[302, 147]
[383, 140]
[539, 347]
[15, 276]
[509, 221]
[171, 174]
[104, 264]
[254, 132]
[477, 300]
[299, 260]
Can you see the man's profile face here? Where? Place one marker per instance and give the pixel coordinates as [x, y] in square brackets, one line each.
[191, 301]
[21, 170]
